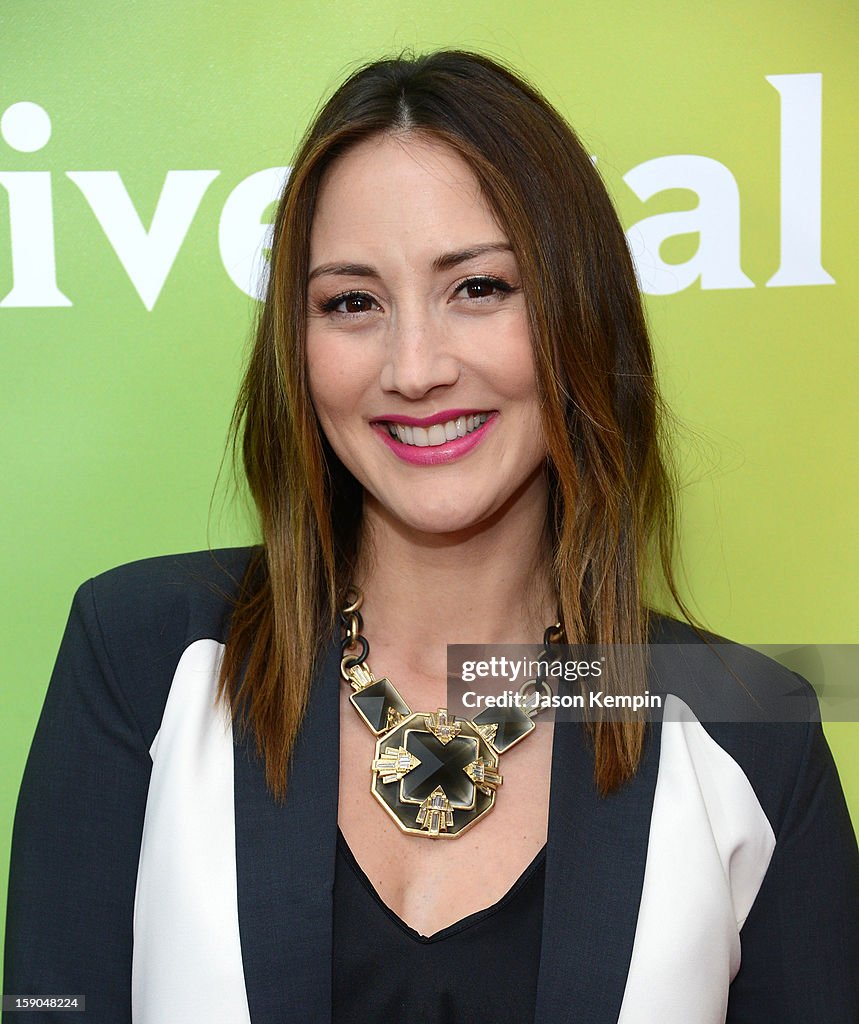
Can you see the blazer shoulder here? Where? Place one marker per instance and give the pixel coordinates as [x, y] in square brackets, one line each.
[760, 712]
[723, 680]
[194, 577]
[149, 611]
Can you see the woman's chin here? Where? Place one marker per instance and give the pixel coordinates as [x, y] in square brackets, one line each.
[432, 521]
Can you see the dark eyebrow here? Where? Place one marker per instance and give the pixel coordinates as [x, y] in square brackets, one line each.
[343, 270]
[452, 259]
[446, 261]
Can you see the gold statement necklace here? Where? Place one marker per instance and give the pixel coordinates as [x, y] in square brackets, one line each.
[436, 775]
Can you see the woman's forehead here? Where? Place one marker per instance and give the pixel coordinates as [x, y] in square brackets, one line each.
[400, 194]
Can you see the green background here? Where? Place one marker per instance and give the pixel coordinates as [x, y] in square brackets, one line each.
[114, 417]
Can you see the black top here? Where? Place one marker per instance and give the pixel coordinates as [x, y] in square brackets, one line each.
[483, 967]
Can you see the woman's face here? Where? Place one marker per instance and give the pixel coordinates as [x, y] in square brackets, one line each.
[416, 318]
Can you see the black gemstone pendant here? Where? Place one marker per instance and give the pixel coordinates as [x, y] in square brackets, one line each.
[511, 725]
[380, 705]
[435, 775]
[441, 764]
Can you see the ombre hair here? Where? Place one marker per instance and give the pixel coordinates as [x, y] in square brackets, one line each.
[611, 514]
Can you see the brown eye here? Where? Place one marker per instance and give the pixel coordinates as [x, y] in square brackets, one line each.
[356, 304]
[350, 303]
[484, 287]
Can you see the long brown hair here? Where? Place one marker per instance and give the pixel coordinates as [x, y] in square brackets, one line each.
[611, 516]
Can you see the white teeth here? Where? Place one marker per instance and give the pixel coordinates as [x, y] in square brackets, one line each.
[438, 433]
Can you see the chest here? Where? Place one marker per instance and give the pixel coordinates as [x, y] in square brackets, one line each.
[433, 883]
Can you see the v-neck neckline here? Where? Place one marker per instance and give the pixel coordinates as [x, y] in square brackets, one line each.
[457, 926]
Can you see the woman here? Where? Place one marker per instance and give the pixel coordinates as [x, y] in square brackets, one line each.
[451, 432]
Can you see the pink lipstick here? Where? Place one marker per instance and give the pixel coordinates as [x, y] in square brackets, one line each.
[434, 454]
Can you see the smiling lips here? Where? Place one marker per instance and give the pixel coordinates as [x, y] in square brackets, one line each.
[434, 439]
[438, 433]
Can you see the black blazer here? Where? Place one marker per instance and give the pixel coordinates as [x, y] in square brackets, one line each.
[152, 872]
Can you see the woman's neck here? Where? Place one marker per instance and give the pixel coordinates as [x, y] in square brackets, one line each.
[423, 591]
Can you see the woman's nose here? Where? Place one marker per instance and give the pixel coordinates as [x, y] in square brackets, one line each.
[420, 356]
